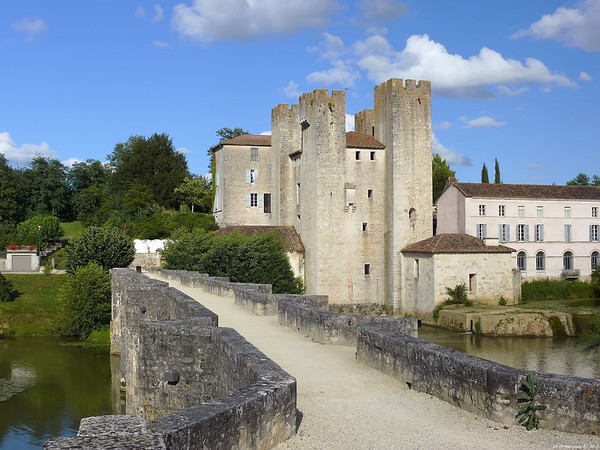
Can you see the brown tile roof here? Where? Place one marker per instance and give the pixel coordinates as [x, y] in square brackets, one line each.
[287, 235]
[259, 140]
[454, 243]
[359, 140]
[532, 191]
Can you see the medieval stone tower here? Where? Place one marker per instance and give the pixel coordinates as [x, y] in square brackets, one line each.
[355, 199]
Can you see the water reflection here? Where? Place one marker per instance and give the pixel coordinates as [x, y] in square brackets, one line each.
[49, 387]
[566, 356]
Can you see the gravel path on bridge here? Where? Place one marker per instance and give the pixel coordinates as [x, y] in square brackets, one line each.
[346, 405]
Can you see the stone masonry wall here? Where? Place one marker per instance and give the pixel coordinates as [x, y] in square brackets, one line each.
[482, 387]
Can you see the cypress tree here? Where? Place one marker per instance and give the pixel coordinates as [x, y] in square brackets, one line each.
[497, 179]
[485, 178]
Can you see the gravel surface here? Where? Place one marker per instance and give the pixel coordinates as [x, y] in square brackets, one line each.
[346, 405]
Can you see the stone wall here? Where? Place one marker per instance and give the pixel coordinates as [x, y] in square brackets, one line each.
[482, 387]
[200, 386]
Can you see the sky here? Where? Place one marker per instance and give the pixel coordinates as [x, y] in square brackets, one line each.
[512, 80]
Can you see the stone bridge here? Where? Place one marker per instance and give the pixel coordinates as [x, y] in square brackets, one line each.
[374, 385]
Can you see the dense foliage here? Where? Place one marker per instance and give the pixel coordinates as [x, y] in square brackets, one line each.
[440, 172]
[44, 230]
[108, 247]
[86, 300]
[555, 289]
[259, 258]
[6, 290]
[583, 180]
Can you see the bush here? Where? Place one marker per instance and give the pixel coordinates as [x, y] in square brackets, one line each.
[547, 289]
[185, 248]
[7, 293]
[49, 231]
[596, 282]
[458, 295]
[107, 247]
[86, 300]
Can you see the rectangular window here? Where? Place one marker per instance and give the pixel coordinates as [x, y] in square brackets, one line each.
[482, 210]
[521, 211]
[472, 282]
[539, 233]
[297, 193]
[252, 200]
[567, 211]
[481, 231]
[367, 269]
[357, 155]
[369, 193]
[364, 226]
[504, 232]
[522, 233]
[593, 233]
[540, 261]
[416, 268]
[567, 233]
[501, 210]
[254, 154]
[594, 211]
[267, 203]
[372, 156]
[251, 176]
[540, 212]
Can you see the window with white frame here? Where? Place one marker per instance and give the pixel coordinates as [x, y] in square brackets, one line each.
[540, 212]
[252, 176]
[594, 259]
[540, 261]
[522, 233]
[593, 233]
[539, 233]
[567, 233]
[482, 210]
[522, 261]
[568, 261]
[254, 154]
[481, 230]
[501, 210]
[253, 200]
[567, 211]
[594, 211]
[521, 211]
[504, 232]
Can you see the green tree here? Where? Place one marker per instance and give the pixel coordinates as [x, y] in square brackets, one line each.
[7, 293]
[485, 178]
[185, 248]
[107, 247]
[40, 229]
[497, 179]
[152, 163]
[50, 192]
[580, 180]
[88, 205]
[8, 195]
[193, 191]
[440, 173]
[86, 300]
[82, 175]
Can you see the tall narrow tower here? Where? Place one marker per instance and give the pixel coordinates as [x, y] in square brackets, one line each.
[403, 124]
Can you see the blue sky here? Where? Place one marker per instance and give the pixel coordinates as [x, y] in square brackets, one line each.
[513, 80]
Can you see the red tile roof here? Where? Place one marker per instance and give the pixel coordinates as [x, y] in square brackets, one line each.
[287, 235]
[359, 140]
[258, 140]
[532, 191]
[454, 243]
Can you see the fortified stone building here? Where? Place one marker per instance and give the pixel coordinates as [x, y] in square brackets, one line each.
[356, 199]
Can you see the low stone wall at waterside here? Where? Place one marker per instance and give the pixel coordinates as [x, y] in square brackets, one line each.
[195, 385]
[256, 298]
[327, 327]
[483, 387]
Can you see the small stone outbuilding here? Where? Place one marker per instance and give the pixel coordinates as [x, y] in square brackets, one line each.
[448, 260]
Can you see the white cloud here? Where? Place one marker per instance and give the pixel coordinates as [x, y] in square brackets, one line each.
[451, 74]
[159, 13]
[340, 74]
[140, 12]
[483, 122]
[350, 122]
[71, 161]
[239, 20]
[331, 47]
[291, 90]
[161, 44]
[504, 90]
[585, 77]
[23, 154]
[381, 10]
[576, 27]
[266, 133]
[31, 27]
[451, 156]
[183, 150]
[443, 126]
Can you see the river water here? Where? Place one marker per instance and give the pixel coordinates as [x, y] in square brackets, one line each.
[562, 355]
[47, 386]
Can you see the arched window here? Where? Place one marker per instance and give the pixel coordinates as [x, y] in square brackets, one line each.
[412, 214]
[594, 259]
[540, 261]
[522, 261]
[568, 261]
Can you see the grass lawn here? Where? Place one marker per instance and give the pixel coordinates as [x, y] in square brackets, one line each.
[72, 229]
[36, 310]
[568, 305]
